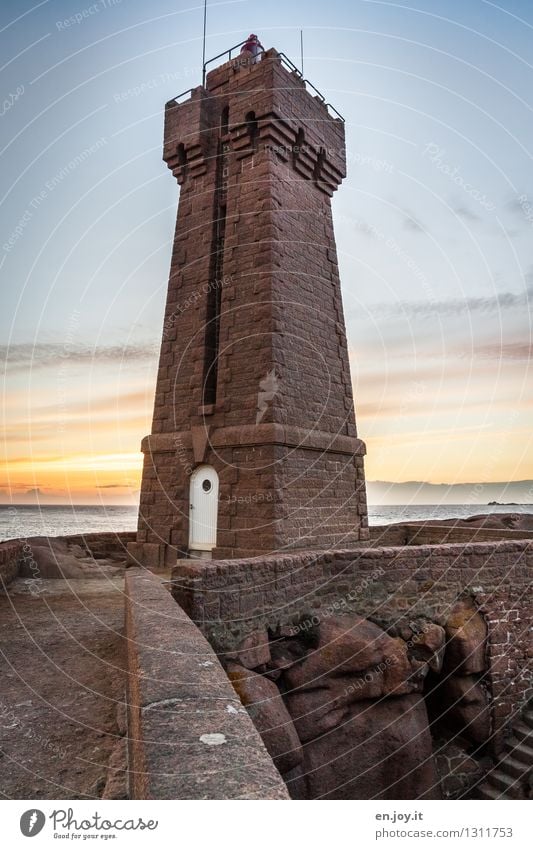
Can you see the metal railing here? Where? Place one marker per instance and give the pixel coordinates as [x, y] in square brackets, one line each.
[179, 96]
[284, 60]
[224, 53]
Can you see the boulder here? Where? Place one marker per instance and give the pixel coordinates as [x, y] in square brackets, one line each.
[347, 645]
[264, 703]
[316, 711]
[466, 635]
[428, 645]
[254, 651]
[400, 676]
[52, 562]
[285, 653]
[381, 750]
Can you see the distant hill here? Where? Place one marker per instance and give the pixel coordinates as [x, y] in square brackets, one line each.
[420, 492]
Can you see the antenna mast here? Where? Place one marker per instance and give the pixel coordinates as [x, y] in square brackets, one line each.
[203, 44]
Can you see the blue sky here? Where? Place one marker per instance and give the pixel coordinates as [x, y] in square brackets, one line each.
[434, 226]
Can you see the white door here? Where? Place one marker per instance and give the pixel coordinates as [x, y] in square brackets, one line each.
[203, 511]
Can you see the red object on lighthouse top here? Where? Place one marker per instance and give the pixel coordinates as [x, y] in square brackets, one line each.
[252, 45]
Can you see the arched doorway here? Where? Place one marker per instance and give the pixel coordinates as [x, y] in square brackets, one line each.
[203, 511]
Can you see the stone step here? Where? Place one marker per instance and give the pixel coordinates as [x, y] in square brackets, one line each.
[527, 716]
[506, 785]
[520, 751]
[523, 732]
[487, 791]
[512, 766]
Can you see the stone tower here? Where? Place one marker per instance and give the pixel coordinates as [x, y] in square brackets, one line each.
[253, 446]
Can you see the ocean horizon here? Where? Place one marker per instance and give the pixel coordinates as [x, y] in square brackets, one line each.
[25, 520]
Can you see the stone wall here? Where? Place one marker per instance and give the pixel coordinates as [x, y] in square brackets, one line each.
[425, 533]
[189, 736]
[10, 557]
[103, 543]
[428, 533]
[229, 599]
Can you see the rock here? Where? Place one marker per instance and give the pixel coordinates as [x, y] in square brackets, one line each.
[348, 644]
[400, 677]
[285, 653]
[265, 706]
[316, 711]
[295, 781]
[77, 551]
[51, 563]
[428, 645]
[254, 650]
[382, 750]
[457, 771]
[466, 634]
[116, 786]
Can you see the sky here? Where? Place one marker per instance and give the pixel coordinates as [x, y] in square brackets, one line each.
[434, 227]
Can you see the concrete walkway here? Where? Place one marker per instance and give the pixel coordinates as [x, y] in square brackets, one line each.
[62, 672]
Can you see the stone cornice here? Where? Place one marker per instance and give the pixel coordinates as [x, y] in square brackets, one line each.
[263, 434]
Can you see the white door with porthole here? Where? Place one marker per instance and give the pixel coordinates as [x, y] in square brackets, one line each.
[203, 511]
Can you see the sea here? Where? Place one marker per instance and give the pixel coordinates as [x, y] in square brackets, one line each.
[22, 521]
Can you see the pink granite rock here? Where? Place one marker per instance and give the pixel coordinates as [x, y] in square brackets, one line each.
[254, 651]
[381, 750]
[347, 645]
[466, 634]
[264, 703]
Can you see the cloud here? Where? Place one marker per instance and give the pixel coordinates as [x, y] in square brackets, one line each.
[34, 491]
[23, 356]
[365, 228]
[511, 351]
[516, 205]
[18, 485]
[113, 486]
[413, 224]
[465, 212]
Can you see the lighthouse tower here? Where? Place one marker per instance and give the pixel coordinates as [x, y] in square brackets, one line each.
[253, 446]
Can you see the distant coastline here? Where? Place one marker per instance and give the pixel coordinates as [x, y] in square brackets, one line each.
[506, 504]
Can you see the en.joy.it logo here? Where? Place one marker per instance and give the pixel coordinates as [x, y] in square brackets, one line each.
[32, 822]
